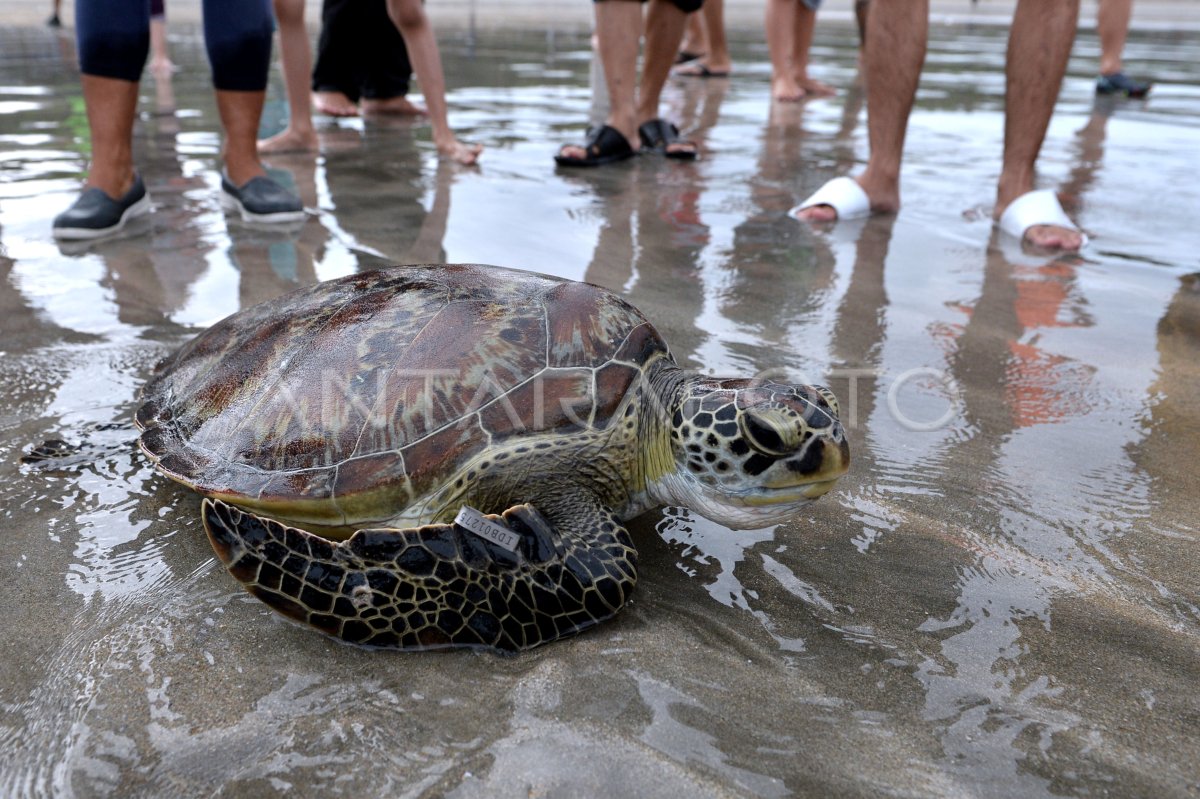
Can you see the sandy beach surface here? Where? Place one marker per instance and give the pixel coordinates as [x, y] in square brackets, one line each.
[999, 600]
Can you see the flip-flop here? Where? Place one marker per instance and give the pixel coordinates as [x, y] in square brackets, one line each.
[604, 145]
[685, 56]
[1032, 208]
[657, 134]
[843, 195]
[699, 71]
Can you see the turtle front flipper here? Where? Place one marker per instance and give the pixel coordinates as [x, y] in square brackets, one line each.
[435, 586]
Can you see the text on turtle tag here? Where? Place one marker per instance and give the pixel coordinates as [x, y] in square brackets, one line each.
[482, 526]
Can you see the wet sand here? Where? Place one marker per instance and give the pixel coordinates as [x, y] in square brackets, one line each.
[999, 600]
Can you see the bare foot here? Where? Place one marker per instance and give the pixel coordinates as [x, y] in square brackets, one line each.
[575, 152]
[815, 88]
[785, 89]
[1052, 237]
[395, 106]
[335, 104]
[1044, 237]
[461, 152]
[289, 141]
[818, 213]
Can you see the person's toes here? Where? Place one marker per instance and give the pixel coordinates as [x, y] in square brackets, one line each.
[573, 151]
[818, 213]
[334, 104]
[681, 147]
[1053, 237]
[288, 142]
[786, 90]
[819, 89]
[465, 153]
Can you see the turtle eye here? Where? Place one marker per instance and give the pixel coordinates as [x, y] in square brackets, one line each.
[771, 434]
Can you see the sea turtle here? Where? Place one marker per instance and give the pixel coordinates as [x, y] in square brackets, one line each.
[338, 432]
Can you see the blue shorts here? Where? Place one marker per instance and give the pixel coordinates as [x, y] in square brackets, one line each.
[113, 37]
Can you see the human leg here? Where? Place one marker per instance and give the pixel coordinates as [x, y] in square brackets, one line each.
[716, 62]
[1112, 25]
[160, 61]
[780, 23]
[338, 71]
[237, 36]
[299, 135]
[244, 182]
[387, 70]
[111, 109]
[806, 23]
[240, 113]
[409, 16]
[694, 44]
[861, 10]
[113, 39]
[618, 29]
[113, 192]
[665, 21]
[1039, 46]
[897, 33]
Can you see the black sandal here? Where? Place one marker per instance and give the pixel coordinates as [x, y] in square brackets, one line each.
[658, 134]
[604, 145]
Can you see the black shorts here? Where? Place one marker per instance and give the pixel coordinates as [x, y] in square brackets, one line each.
[686, 6]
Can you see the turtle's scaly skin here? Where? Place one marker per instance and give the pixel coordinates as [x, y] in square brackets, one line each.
[379, 405]
[436, 586]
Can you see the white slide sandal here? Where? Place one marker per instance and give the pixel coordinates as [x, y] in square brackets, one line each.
[843, 195]
[1032, 208]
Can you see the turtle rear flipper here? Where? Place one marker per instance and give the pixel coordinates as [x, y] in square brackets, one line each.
[436, 586]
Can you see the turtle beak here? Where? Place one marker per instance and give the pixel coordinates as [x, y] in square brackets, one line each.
[815, 469]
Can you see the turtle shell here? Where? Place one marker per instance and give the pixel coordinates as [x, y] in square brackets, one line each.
[341, 403]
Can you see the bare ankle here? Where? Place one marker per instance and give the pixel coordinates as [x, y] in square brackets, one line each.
[883, 189]
[1011, 185]
[240, 170]
[115, 182]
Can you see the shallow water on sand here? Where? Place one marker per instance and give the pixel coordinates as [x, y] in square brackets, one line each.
[999, 600]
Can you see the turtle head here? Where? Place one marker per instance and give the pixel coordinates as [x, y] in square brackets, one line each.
[749, 453]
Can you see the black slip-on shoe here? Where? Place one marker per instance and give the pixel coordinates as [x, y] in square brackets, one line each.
[95, 214]
[261, 199]
[1120, 83]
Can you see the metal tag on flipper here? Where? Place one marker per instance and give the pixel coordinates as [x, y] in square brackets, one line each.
[482, 526]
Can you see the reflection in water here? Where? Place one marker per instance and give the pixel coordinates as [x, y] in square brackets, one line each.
[1003, 605]
[677, 739]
